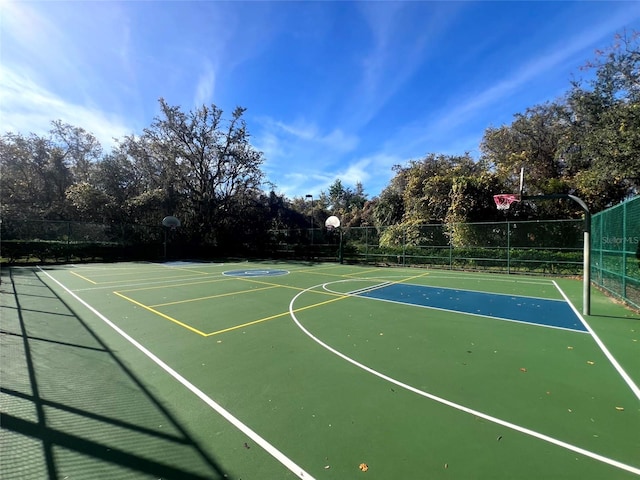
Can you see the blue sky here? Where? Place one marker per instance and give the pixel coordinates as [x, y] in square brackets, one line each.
[332, 89]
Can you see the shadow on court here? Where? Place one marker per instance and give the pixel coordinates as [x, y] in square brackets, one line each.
[70, 408]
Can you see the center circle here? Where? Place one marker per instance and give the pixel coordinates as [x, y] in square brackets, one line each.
[258, 272]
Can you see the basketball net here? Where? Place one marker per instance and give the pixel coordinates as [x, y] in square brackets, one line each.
[504, 200]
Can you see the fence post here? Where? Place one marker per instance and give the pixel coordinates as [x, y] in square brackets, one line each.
[508, 246]
[450, 246]
[68, 240]
[404, 245]
[623, 274]
[366, 244]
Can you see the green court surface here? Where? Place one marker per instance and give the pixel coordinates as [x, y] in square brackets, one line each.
[259, 370]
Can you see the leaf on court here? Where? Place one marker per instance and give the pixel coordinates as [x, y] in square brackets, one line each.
[523, 370]
[590, 362]
[620, 409]
[364, 467]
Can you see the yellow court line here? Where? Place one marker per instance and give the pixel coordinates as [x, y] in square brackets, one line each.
[167, 317]
[246, 324]
[261, 320]
[261, 282]
[411, 278]
[341, 275]
[251, 290]
[115, 283]
[83, 278]
[299, 289]
[174, 285]
[315, 270]
[189, 270]
[358, 273]
[340, 297]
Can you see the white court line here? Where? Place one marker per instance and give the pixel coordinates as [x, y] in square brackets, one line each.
[634, 388]
[512, 295]
[491, 277]
[112, 285]
[273, 451]
[462, 408]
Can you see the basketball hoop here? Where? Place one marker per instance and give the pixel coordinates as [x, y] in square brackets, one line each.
[332, 223]
[170, 222]
[504, 200]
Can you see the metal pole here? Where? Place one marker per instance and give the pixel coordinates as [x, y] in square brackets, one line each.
[508, 247]
[310, 217]
[623, 273]
[586, 287]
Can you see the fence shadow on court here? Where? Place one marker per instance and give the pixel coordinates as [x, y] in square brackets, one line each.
[71, 408]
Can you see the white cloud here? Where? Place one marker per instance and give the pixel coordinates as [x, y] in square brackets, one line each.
[399, 48]
[206, 85]
[303, 145]
[337, 140]
[26, 107]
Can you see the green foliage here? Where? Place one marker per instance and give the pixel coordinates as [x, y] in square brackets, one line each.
[602, 143]
[202, 168]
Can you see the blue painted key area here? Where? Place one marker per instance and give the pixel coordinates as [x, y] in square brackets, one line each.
[537, 311]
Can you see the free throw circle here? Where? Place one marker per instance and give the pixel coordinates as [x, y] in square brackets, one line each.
[257, 272]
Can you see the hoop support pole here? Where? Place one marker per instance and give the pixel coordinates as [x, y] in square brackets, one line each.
[586, 287]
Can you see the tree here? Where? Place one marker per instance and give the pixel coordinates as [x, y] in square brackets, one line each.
[428, 185]
[34, 177]
[80, 149]
[345, 202]
[388, 208]
[602, 144]
[211, 163]
[531, 141]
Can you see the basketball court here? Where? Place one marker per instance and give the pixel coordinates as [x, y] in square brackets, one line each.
[265, 370]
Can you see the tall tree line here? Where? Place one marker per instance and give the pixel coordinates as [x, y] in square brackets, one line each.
[200, 166]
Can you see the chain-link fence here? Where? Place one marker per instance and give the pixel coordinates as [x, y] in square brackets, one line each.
[615, 251]
[541, 247]
[63, 241]
[538, 247]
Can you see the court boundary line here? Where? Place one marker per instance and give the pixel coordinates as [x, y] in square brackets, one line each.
[253, 435]
[625, 376]
[457, 406]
